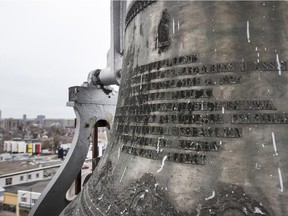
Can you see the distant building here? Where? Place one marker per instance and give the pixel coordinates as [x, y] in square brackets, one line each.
[22, 188]
[21, 198]
[67, 123]
[40, 119]
[21, 177]
[9, 202]
[14, 147]
[11, 124]
[26, 200]
[24, 117]
[0, 114]
[33, 147]
[45, 171]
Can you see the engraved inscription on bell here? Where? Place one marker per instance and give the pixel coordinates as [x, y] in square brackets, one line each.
[202, 117]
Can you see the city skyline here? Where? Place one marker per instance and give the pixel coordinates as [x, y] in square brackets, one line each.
[47, 47]
[25, 117]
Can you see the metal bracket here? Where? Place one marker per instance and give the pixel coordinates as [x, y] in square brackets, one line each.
[90, 105]
[112, 73]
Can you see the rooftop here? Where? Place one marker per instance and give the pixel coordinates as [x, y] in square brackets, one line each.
[7, 167]
[14, 166]
[38, 186]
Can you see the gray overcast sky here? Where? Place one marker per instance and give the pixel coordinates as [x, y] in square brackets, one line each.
[46, 47]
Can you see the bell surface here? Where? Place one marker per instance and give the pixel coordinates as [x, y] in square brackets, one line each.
[201, 125]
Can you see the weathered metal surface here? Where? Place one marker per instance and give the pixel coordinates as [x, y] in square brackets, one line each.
[90, 105]
[202, 117]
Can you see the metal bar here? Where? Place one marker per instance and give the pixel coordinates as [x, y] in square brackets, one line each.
[95, 150]
[78, 183]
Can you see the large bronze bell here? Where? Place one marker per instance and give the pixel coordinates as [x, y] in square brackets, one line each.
[201, 126]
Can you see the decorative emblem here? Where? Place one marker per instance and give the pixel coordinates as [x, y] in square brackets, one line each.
[163, 39]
